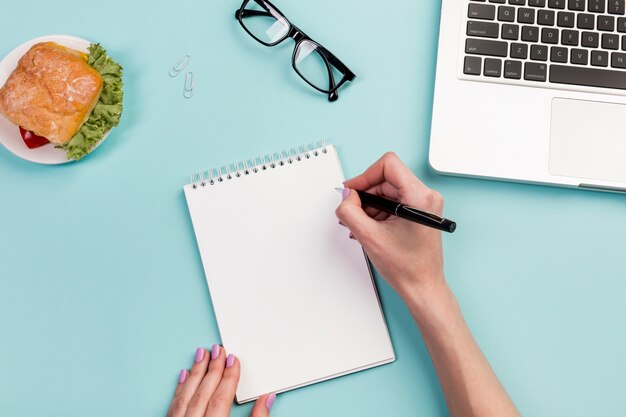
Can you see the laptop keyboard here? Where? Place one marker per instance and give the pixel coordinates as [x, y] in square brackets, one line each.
[571, 42]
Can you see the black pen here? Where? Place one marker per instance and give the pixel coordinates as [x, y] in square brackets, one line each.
[405, 212]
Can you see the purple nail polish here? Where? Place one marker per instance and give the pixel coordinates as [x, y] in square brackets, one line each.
[199, 355]
[270, 401]
[215, 351]
[230, 360]
[182, 376]
[351, 236]
[345, 193]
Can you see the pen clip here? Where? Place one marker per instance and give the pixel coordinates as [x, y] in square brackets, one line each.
[420, 213]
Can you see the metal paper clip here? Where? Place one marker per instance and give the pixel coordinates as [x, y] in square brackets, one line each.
[180, 66]
[190, 83]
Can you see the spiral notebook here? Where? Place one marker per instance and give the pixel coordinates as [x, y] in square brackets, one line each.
[293, 296]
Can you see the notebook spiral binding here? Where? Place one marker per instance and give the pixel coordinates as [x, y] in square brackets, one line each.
[257, 164]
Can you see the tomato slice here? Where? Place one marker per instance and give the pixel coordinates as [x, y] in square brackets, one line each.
[31, 140]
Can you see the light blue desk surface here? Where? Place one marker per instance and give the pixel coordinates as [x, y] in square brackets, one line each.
[102, 294]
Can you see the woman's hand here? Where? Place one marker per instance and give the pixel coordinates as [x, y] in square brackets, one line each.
[410, 258]
[209, 389]
[408, 255]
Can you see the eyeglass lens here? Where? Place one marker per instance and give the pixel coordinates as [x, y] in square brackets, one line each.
[266, 26]
[314, 67]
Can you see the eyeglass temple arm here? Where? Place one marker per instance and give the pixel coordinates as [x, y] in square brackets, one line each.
[247, 13]
[340, 65]
[333, 95]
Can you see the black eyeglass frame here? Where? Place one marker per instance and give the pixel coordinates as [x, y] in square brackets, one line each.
[299, 37]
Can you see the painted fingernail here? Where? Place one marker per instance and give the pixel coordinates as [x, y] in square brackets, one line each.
[270, 401]
[183, 376]
[215, 351]
[345, 193]
[199, 355]
[230, 360]
[351, 236]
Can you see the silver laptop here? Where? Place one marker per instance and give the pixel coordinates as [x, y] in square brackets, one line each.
[532, 90]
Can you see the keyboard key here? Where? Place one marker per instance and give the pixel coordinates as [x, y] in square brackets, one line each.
[481, 11]
[621, 24]
[600, 58]
[585, 21]
[472, 65]
[618, 60]
[596, 6]
[486, 47]
[606, 23]
[545, 17]
[569, 37]
[530, 33]
[623, 42]
[513, 69]
[550, 35]
[537, 3]
[616, 6]
[590, 39]
[534, 71]
[565, 19]
[579, 56]
[493, 67]
[510, 32]
[506, 14]
[482, 29]
[610, 41]
[518, 2]
[556, 4]
[576, 5]
[591, 77]
[525, 15]
[519, 50]
[558, 54]
[539, 52]
[497, 1]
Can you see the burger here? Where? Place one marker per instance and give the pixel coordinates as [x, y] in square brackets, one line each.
[64, 97]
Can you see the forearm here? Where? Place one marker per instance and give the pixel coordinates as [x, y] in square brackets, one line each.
[469, 384]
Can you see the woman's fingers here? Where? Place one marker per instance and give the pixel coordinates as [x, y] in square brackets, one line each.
[386, 190]
[190, 383]
[181, 379]
[351, 214]
[263, 405]
[222, 399]
[389, 168]
[390, 178]
[200, 400]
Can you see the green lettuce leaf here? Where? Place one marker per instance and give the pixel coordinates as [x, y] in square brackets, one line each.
[107, 112]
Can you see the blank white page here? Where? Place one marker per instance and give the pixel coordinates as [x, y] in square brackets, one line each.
[293, 295]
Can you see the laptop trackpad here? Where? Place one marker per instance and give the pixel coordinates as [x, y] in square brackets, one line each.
[588, 140]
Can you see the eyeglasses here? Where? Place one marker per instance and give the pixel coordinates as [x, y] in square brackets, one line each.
[315, 64]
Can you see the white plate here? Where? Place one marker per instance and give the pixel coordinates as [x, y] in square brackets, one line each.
[9, 133]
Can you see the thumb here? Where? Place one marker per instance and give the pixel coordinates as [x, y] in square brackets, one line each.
[353, 217]
[263, 405]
